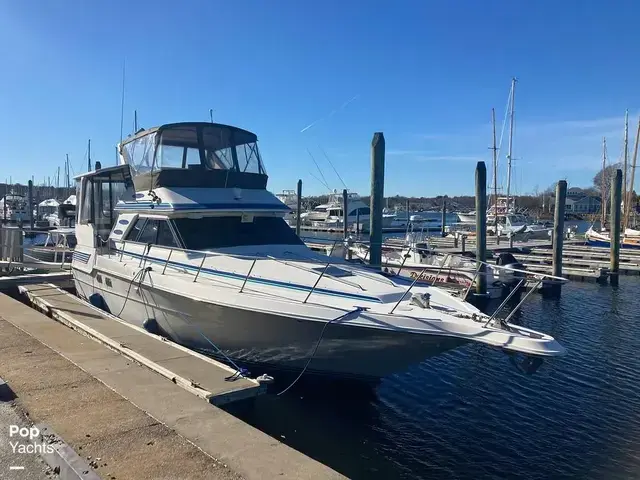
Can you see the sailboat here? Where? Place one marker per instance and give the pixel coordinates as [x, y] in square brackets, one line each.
[630, 237]
[502, 216]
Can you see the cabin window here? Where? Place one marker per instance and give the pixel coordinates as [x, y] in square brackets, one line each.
[139, 153]
[219, 159]
[223, 232]
[178, 157]
[149, 232]
[165, 235]
[156, 232]
[100, 196]
[249, 158]
[85, 207]
[135, 229]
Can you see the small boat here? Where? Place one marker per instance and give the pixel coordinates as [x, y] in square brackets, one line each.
[602, 238]
[417, 261]
[57, 247]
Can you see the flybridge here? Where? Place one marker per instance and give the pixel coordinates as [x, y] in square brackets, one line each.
[194, 154]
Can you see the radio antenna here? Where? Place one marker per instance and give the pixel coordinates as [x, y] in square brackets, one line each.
[122, 101]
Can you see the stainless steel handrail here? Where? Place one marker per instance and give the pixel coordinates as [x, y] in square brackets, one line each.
[435, 279]
[517, 307]
[204, 257]
[504, 302]
[473, 280]
[317, 281]
[248, 275]
[167, 262]
[348, 267]
[408, 290]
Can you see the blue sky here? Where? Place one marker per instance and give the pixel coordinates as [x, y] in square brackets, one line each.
[425, 73]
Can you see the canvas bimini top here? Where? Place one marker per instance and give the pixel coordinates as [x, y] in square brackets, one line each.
[194, 154]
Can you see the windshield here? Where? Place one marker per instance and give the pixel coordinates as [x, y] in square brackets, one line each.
[210, 233]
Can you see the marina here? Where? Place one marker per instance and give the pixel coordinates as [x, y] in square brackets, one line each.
[347, 313]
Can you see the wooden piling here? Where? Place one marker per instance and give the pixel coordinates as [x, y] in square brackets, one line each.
[30, 206]
[558, 236]
[299, 206]
[481, 227]
[377, 198]
[345, 213]
[357, 222]
[616, 198]
[444, 216]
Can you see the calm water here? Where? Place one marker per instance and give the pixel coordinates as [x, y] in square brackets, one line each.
[471, 414]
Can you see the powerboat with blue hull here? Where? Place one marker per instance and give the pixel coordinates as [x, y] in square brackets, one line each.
[184, 235]
[629, 240]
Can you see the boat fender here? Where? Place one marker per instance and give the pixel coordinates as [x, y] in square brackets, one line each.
[151, 326]
[507, 259]
[98, 301]
[264, 378]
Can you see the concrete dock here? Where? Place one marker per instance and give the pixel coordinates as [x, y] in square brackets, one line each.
[127, 420]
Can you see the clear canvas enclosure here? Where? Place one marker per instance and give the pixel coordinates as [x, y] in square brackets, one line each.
[193, 146]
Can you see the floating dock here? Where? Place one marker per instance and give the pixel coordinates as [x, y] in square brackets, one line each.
[198, 374]
[129, 403]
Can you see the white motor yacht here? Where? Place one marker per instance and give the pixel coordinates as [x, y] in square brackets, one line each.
[290, 199]
[331, 214]
[183, 234]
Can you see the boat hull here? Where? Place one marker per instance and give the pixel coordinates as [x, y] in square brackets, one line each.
[597, 239]
[276, 342]
[467, 217]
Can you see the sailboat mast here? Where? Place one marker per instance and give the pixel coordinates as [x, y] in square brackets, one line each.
[627, 200]
[626, 158]
[495, 170]
[89, 156]
[509, 155]
[66, 169]
[603, 184]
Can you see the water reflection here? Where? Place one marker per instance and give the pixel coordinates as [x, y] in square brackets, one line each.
[470, 414]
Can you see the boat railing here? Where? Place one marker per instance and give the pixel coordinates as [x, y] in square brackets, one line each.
[322, 272]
